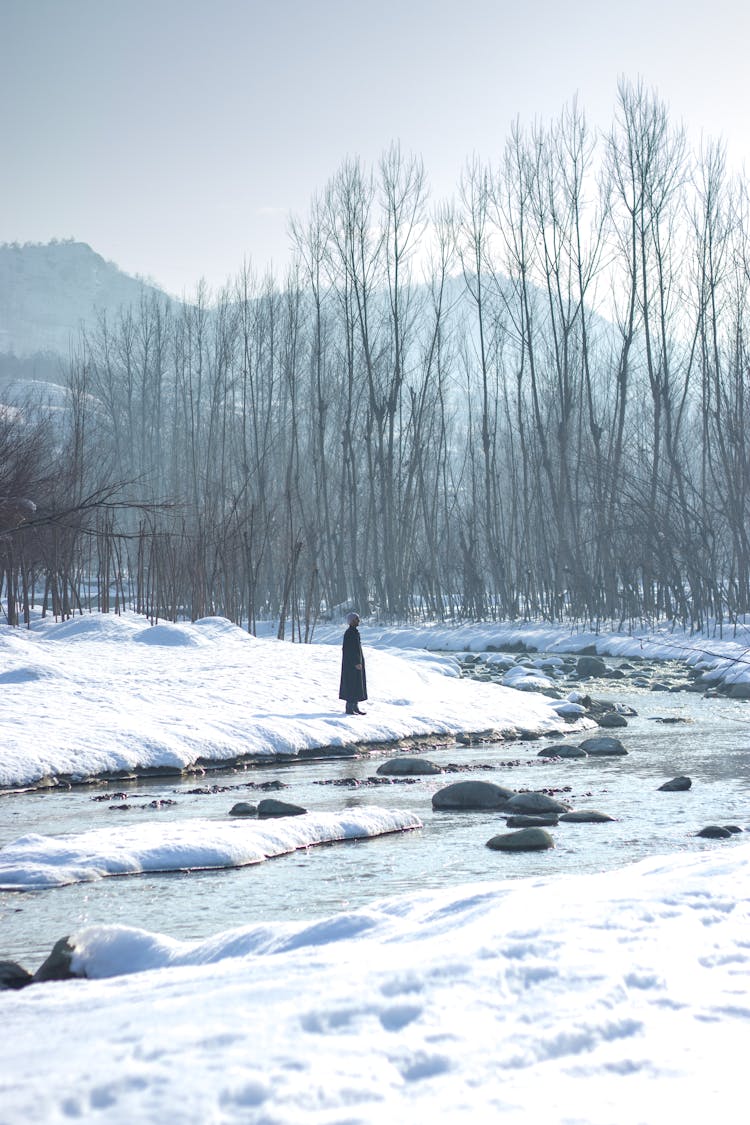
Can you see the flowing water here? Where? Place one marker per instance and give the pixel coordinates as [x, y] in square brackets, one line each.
[710, 743]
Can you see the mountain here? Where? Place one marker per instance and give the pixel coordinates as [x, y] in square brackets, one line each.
[47, 292]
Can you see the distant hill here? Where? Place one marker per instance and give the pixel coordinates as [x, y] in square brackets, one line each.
[47, 291]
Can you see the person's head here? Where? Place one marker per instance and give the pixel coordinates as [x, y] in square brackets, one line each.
[352, 619]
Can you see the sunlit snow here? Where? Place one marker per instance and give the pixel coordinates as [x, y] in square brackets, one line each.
[37, 861]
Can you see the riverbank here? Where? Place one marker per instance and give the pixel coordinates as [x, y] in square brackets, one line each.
[112, 699]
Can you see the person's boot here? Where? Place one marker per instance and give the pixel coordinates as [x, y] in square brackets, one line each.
[358, 712]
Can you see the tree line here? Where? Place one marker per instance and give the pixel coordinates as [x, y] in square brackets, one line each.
[527, 402]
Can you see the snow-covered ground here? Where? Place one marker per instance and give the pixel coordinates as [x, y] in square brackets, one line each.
[616, 999]
[34, 861]
[99, 694]
[613, 999]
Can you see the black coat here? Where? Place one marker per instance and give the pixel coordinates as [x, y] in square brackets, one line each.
[353, 685]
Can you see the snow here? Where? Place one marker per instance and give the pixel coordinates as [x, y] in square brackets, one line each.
[35, 861]
[620, 998]
[101, 694]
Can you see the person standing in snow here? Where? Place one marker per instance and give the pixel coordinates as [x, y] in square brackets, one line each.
[353, 687]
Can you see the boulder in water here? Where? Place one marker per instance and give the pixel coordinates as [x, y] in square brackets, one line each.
[676, 785]
[58, 964]
[523, 820]
[471, 795]
[603, 745]
[715, 832]
[270, 807]
[535, 803]
[562, 750]
[612, 719]
[590, 666]
[525, 840]
[586, 816]
[13, 976]
[243, 808]
[404, 766]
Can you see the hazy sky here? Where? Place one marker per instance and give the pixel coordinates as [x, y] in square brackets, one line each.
[176, 136]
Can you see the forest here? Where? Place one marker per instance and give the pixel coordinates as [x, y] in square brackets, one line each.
[528, 402]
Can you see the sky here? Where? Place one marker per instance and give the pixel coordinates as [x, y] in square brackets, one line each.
[177, 137]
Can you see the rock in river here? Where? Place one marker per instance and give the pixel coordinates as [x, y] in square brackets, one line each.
[590, 666]
[243, 808]
[586, 816]
[714, 832]
[406, 767]
[612, 719]
[271, 807]
[535, 803]
[718, 831]
[603, 745]
[471, 795]
[525, 840]
[676, 785]
[548, 820]
[562, 750]
[13, 975]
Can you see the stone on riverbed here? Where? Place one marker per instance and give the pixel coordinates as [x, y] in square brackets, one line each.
[569, 711]
[525, 821]
[612, 719]
[562, 750]
[270, 807]
[715, 832]
[535, 803]
[407, 767]
[676, 785]
[525, 840]
[586, 816]
[471, 795]
[603, 745]
[590, 666]
[243, 808]
[600, 707]
[58, 964]
[13, 976]
[669, 719]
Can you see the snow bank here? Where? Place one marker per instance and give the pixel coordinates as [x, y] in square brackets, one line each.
[107, 695]
[617, 998]
[36, 861]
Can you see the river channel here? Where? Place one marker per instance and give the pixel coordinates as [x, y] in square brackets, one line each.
[672, 733]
